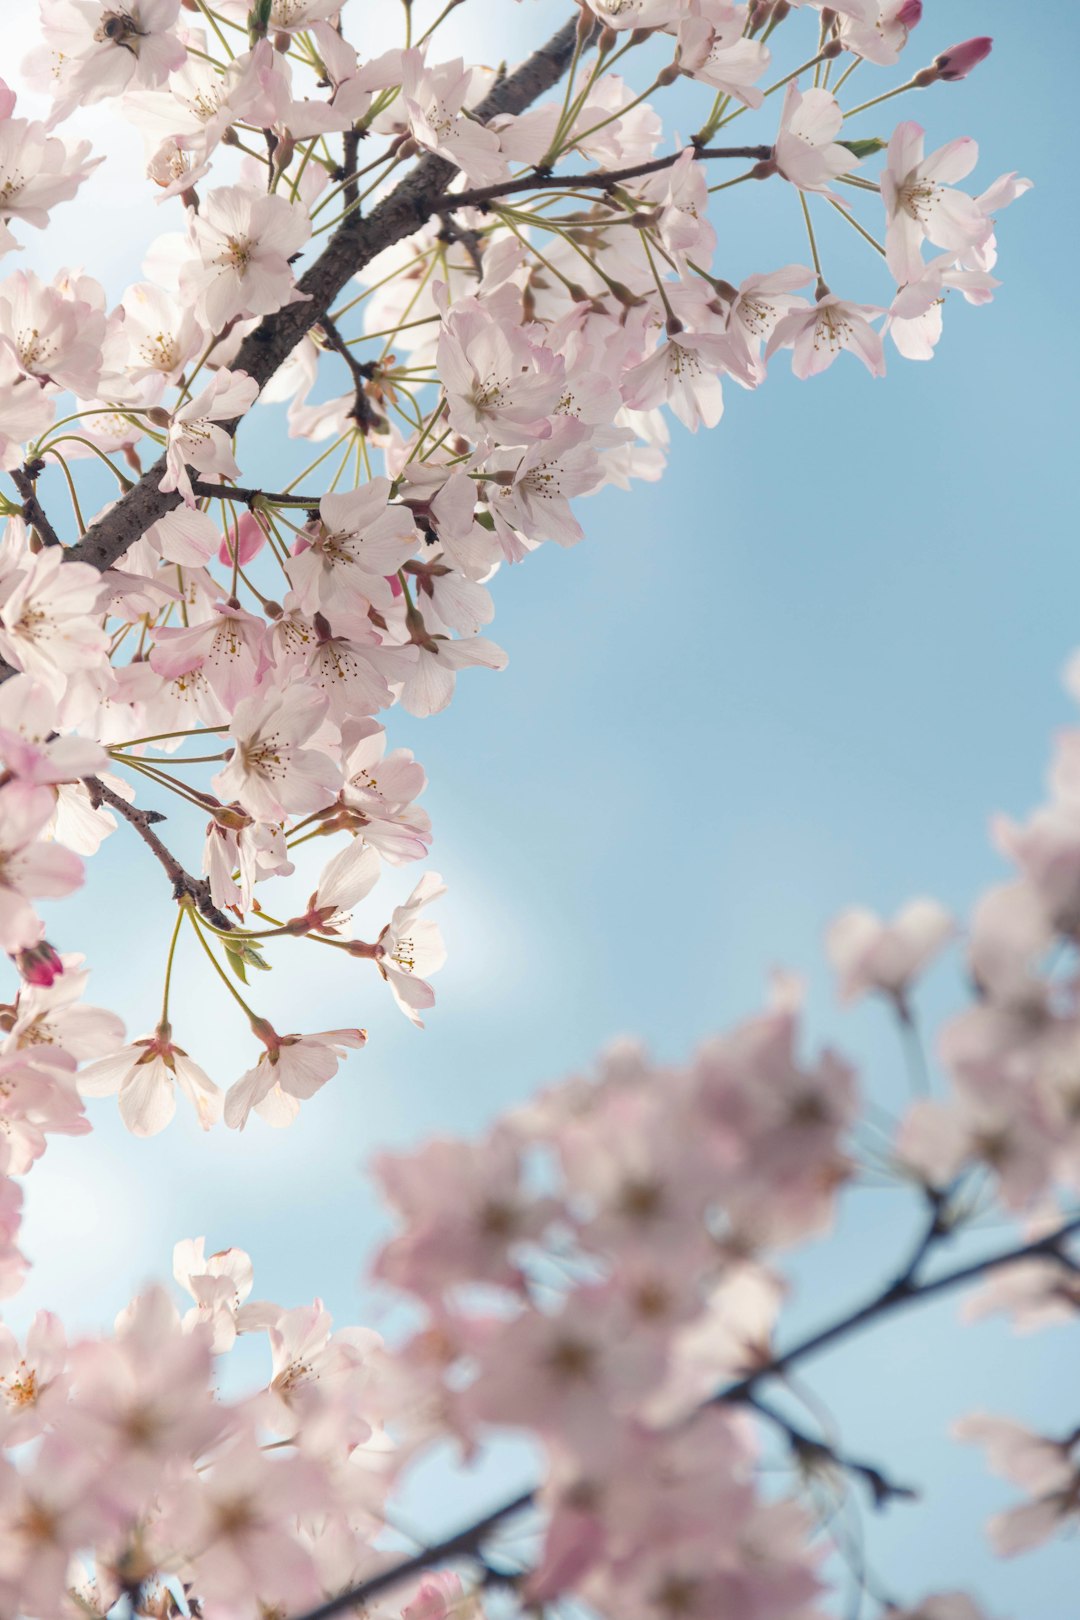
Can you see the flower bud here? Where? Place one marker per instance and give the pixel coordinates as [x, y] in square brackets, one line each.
[958, 61]
[910, 13]
[39, 964]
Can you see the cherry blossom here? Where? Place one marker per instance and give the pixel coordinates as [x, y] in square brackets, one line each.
[293, 1068]
[145, 1074]
[98, 49]
[212, 653]
[818, 335]
[920, 201]
[194, 438]
[805, 152]
[244, 243]
[271, 773]
[868, 954]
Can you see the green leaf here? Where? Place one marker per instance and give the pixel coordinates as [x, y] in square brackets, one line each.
[864, 149]
[241, 954]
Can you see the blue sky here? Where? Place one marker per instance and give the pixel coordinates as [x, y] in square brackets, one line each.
[799, 672]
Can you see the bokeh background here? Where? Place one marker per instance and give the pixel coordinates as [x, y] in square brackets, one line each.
[799, 672]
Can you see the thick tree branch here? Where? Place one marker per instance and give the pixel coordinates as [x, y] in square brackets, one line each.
[183, 884]
[903, 1290]
[354, 244]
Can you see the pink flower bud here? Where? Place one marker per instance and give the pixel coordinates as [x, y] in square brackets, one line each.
[39, 964]
[958, 61]
[910, 13]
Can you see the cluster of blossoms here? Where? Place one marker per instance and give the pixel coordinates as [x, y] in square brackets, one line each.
[509, 322]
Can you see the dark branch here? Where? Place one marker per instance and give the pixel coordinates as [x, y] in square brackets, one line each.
[463, 1544]
[25, 481]
[353, 245]
[814, 1454]
[903, 1290]
[250, 497]
[183, 884]
[605, 179]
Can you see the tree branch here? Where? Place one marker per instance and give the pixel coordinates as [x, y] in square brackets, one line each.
[603, 178]
[814, 1453]
[353, 245]
[183, 884]
[249, 497]
[25, 481]
[901, 1291]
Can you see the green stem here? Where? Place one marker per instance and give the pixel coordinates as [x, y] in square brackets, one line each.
[253, 1017]
[169, 963]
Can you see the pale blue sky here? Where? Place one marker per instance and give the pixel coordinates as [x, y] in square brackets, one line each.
[799, 672]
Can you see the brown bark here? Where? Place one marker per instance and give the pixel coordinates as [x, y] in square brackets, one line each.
[354, 244]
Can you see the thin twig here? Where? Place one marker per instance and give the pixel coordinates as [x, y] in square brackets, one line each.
[25, 481]
[605, 179]
[183, 884]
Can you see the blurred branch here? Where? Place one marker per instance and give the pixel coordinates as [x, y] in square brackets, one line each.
[901, 1291]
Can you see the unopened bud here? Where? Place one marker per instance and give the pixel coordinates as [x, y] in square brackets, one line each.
[282, 43]
[669, 74]
[910, 13]
[832, 49]
[958, 61]
[623, 294]
[39, 964]
[158, 417]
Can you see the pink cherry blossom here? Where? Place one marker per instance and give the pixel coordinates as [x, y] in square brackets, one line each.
[434, 99]
[411, 946]
[245, 242]
[361, 538]
[819, 334]
[31, 1377]
[99, 51]
[29, 869]
[49, 623]
[920, 202]
[805, 151]
[271, 773]
[868, 954]
[146, 1074]
[218, 1283]
[293, 1068]
[196, 441]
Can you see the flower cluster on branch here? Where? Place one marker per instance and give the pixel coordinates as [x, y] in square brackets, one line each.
[477, 296]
